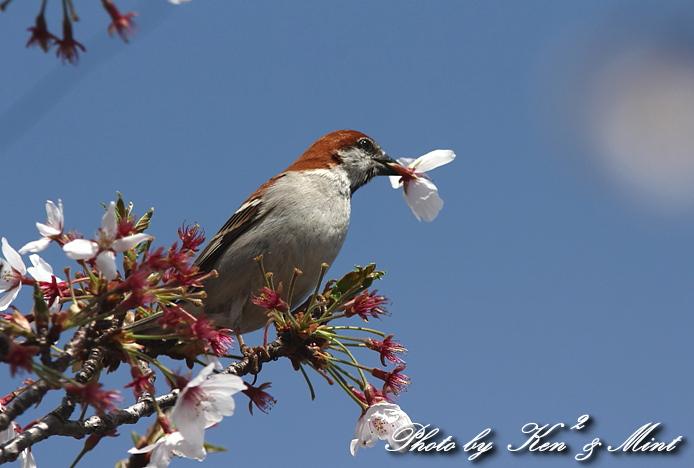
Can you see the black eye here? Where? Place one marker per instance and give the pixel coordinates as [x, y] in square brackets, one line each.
[366, 145]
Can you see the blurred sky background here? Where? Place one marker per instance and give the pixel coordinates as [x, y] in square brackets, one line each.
[557, 280]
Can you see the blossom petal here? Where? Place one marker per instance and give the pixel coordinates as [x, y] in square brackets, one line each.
[54, 215]
[202, 375]
[395, 181]
[224, 384]
[35, 246]
[364, 436]
[423, 198]
[189, 421]
[353, 446]
[121, 245]
[212, 359]
[7, 276]
[184, 448]
[41, 270]
[26, 459]
[407, 162]
[109, 227]
[10, 295]
[106, 264]
[13, 258]
[46, 230]
[432, 160]
[81, 249]
[380, 421]
[164, 449]
[203, 402]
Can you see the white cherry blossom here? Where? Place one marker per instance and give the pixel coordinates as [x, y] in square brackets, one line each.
[203, 402]
[106, 247]
[165, 448]
[43, 271]
[380, 421]
[51, 229]
[420, 193]
[12, 270]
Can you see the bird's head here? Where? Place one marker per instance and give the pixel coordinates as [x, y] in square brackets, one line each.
[358, 155]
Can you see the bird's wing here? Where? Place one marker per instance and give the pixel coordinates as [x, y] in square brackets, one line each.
[252, 211]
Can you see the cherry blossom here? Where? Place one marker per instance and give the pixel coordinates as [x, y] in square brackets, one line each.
[105, 248]
[271, 300]
[12, 270]
[365, 304]
[92, 394]
[123, 24]
[258, 396]
[379, 421]
[142, 381]
[204, 401]
[52, 229]
[67, 46]
[387, 349]
[420, 193]
[393, 381]
[20, 357]
[165, 448]
[39, 33]
[42, 271]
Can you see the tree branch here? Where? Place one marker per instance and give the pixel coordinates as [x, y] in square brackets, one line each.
[56, 423]
[35, 392]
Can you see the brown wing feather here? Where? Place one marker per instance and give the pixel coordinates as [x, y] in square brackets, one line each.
[240, 222]
[232, 229]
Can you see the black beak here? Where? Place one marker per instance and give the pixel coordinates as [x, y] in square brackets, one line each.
[385, 166]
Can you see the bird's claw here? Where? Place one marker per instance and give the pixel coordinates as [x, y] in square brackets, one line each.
[254, 355]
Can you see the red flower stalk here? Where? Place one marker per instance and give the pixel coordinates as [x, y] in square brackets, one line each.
[67, 46]
[179, 258]
[360, 396]
[125, 228]
[393, 380]
[175, 318]
[191, 236]
[92, 394]
[219, 340]
[19, 357]
[371, 395]
[40, 35]
[188, 277]
[122, 23]
[156, 260]
[263, 400]
[387, 348]
[270, 299]
[366, 304]
[408, 173]
[374, 395]
[138, 287]
[141, 381]
[180, 271]
[53, 290]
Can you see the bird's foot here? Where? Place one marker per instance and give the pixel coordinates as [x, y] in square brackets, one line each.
[256, 356]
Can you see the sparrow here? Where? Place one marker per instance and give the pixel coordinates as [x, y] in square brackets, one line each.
[297, 219]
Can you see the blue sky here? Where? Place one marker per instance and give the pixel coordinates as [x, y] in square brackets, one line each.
[557, 280]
